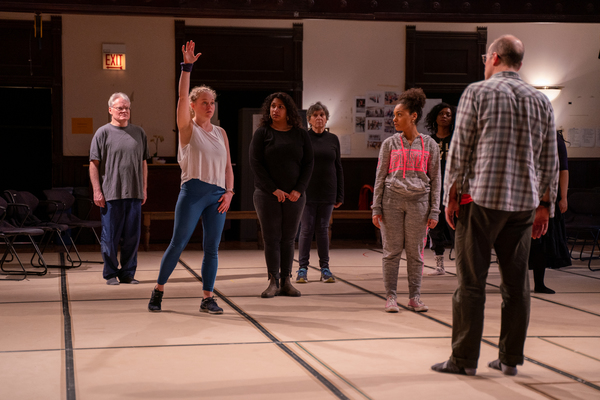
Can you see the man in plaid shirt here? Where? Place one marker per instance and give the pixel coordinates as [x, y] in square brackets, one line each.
[504, 155]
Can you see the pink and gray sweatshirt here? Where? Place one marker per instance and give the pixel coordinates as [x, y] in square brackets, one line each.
[408, 173]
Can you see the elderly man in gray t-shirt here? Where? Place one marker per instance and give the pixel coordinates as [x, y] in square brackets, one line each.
[119, 176]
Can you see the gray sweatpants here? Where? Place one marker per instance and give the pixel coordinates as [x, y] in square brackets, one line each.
[403, 227]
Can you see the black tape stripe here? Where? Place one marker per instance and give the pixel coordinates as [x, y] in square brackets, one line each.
[536, 362]
[69, 364]
[326, 382]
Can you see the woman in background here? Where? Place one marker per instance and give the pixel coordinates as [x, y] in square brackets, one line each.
[551, 251]
[440, 122]
[324, 193]
[281, 159]
[406, 198]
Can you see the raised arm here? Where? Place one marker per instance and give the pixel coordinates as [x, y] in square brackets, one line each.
[184, 118]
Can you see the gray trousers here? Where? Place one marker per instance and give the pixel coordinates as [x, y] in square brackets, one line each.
[403, 227]
[478, 230]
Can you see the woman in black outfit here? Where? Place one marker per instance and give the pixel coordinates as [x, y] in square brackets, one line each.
[324, 193]
[551, 251]
[440, 122]
[281, 159]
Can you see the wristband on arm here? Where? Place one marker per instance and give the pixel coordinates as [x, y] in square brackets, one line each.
[186, 67]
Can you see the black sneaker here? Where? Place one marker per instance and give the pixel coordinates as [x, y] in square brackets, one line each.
[155, 300]
[210, 306]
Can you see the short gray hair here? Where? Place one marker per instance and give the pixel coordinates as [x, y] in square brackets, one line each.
[318, 106]
[116, 96]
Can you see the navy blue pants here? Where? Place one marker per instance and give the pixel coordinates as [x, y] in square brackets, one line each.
[121, 222]
[196, 199]
[315, 220]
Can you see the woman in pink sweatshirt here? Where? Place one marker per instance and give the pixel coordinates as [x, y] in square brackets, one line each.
[406, 198]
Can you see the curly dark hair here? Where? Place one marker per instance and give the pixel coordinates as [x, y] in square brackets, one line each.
[414, 101]
[431, 118]
[290, 108]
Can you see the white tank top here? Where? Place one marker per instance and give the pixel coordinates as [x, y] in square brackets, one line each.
[204, 157]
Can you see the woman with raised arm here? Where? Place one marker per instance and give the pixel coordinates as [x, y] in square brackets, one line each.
[206, 184]
[281, 158]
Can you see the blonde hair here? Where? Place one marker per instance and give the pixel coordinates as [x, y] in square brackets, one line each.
[196, 92]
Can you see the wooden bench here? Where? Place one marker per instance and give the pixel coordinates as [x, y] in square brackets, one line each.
[149, 216]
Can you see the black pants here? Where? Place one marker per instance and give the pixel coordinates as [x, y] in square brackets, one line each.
[478, 230]
[279, 224]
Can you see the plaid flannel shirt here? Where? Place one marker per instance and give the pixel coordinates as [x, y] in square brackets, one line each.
[504, 151]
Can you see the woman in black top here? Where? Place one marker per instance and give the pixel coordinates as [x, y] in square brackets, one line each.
[324, 193]
[550, 250]
[440, 122]
[281, 159]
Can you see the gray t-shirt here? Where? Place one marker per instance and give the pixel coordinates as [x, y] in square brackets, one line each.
[121, 152]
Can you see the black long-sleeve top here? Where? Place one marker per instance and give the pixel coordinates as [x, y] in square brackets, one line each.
[281, 159]
[327, 181]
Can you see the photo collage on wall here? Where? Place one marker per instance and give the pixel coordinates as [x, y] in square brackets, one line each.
[374, 114]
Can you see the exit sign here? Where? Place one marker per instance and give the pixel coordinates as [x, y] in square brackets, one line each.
[113, 61]
[113, 56]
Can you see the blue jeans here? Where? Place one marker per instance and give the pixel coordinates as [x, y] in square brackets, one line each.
[279, 225]
[315, 220]
[121, 222]
[196, 199]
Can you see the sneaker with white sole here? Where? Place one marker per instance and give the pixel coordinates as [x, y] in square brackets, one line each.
[415, 304]
[302, 275]
[391, 305]
[439, 266]
[326, 276]
[210, 306]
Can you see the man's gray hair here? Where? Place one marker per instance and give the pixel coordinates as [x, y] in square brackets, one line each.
[116, 96]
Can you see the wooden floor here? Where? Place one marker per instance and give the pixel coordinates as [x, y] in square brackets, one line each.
[68, 335]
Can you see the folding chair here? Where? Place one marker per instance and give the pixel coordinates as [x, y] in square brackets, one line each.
[582, 222]
[9, 233]
[28, 215]
[65, 216]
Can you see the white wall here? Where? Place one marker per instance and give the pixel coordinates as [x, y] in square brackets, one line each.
[341, 60]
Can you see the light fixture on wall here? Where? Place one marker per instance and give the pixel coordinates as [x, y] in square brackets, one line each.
[551, 92]
[113, 56]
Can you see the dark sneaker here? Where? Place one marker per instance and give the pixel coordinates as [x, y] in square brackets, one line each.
[326, 276]
[112, 281]
[302, 276]
[210, 306]
[155, 300]
[129, 279]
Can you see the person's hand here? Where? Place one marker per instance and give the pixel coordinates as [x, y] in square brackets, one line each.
[337, 205]
[377, 221]
[452, 211]
[540, 223]
[431, 223]
[99, 199]
[145, 198]
[188, 52]
[563, 205]
[280, 194]
[225, 201]
[293, 196]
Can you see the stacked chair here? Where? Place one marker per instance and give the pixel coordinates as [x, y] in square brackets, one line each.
[66, 201]
[582, 221]
[42, 215]
[9, 233]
